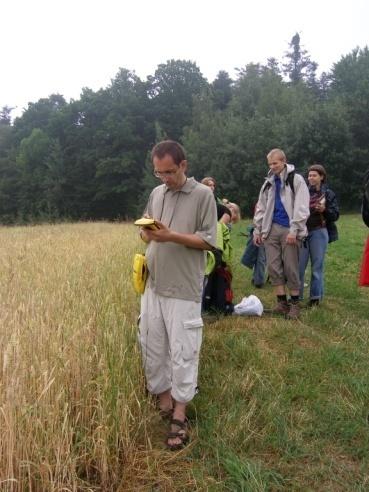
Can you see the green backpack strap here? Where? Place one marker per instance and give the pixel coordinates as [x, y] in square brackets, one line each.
[226, 239]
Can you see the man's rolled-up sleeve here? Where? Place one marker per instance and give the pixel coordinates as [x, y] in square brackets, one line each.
[208, 220]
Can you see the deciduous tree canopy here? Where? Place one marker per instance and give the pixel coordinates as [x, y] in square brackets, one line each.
[89, 158]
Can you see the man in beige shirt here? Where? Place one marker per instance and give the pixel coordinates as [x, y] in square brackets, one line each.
[170, 323]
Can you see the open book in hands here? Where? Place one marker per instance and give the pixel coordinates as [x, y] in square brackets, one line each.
[147, 223]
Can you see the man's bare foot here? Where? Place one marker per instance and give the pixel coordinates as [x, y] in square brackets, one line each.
[178, 434]
[177, 437]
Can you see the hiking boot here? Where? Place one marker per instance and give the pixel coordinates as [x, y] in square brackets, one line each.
[294, 311]
[282, 307]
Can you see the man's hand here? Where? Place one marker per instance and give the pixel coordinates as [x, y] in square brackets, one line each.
[143, 234]
[258, 240]
[165, 235]
[291, 239]
[161, 235]
[144, 230]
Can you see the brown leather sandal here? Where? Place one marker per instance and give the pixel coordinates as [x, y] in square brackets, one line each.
[166, 414]
[181, 433]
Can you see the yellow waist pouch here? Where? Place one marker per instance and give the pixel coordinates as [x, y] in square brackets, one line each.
[140, 272]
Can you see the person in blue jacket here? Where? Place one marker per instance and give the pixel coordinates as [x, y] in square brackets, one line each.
[321, 231]
[254, 258]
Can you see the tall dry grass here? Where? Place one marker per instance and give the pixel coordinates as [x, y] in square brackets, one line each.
[73, 412]
[282, 406]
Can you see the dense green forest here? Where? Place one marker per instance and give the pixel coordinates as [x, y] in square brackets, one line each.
[89, 158]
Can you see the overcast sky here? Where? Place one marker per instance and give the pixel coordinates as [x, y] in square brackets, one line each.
[54, 46]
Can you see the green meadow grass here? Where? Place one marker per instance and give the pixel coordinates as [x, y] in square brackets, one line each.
[283, 406]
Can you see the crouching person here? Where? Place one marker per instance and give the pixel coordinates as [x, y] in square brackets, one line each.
[170, 331]
[280, 224]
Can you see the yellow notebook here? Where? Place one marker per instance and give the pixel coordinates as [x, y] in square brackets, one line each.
[146, 223]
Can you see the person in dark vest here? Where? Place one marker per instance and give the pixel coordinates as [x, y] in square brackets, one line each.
[224, 214]
[321, 231]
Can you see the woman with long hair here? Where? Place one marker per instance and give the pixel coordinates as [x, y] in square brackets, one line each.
[321, 230]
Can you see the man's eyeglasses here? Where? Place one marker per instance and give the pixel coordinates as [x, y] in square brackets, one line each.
[165, 174]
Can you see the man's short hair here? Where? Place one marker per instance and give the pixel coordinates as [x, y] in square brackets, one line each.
[280, 153]
[169, 147]
[320, 170]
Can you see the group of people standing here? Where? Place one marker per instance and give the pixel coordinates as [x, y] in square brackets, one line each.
[294, 221]
[290, 218]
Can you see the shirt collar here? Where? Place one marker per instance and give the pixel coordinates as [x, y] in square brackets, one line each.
[186, 188]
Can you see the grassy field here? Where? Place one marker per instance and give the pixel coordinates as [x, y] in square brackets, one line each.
[282, 405]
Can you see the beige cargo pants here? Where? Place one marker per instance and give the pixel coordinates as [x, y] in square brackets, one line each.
[170, 335]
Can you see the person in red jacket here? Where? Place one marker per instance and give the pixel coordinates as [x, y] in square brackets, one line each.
[364, 271]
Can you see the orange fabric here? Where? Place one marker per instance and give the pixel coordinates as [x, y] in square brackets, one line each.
[364, 271]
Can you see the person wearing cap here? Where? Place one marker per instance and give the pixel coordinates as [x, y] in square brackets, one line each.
[170, 329]
[321, 231]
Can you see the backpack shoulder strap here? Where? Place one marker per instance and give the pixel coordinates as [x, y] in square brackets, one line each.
[267, 184]
[290, 181]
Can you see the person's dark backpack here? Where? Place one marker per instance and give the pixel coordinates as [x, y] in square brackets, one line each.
[289, 182]
[218, 294]
[365, 201]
